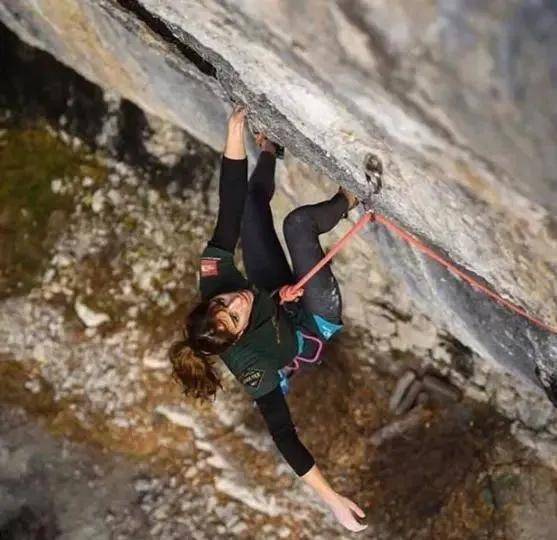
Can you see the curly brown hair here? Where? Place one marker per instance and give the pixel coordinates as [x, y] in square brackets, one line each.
[192, 365]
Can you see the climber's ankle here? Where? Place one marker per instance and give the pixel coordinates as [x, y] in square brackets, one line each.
[265, 144]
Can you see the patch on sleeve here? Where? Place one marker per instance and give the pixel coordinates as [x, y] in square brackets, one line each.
[209, 266]
[252, 377]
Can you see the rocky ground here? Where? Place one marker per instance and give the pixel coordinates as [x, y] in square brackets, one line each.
[98, 264]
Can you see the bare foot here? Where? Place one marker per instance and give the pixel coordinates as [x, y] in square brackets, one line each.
[350, 197]
[265, 144]
[235, 147]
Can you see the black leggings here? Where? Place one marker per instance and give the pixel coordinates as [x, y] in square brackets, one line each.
[264, 259]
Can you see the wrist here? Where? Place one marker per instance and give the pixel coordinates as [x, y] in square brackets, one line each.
[235, 147]
[322, 488]
[235, 154]
[235, 150]
[230, 156]
[330, 498]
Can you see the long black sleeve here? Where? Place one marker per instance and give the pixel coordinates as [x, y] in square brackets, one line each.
[233, 186]
[275, 412]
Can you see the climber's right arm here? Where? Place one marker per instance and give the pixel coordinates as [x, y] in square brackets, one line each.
[275, 411]
[276, 414]
[233, 185]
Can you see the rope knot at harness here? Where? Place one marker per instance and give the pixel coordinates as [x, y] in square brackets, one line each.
[290, 293]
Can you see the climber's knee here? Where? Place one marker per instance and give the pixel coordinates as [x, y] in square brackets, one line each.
[295, 222]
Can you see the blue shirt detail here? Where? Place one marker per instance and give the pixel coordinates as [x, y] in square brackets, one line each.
[284, 383]
[326, 328]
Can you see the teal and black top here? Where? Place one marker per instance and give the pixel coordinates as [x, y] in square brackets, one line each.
[269, 342]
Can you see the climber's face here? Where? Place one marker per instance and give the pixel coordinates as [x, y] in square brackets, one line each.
[231, 311]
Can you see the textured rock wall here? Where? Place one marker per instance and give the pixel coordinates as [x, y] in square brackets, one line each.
[123, 235]
[457, 99]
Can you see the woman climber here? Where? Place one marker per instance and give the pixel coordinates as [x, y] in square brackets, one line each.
[241, 320]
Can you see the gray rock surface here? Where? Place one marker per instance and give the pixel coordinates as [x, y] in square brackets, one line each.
[457, 99]
[211, 471]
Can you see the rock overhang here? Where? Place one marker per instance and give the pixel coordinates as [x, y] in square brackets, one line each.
[331, 108]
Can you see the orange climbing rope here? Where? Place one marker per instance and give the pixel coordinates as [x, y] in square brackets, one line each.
[290, 293]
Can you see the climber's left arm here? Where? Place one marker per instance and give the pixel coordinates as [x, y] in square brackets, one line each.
[233, 185]
[275, 411]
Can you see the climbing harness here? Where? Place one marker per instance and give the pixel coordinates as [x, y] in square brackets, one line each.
[290, 293]
[291, 369]
[302, 336]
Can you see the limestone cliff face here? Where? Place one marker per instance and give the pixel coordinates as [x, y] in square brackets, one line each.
[457, 99]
